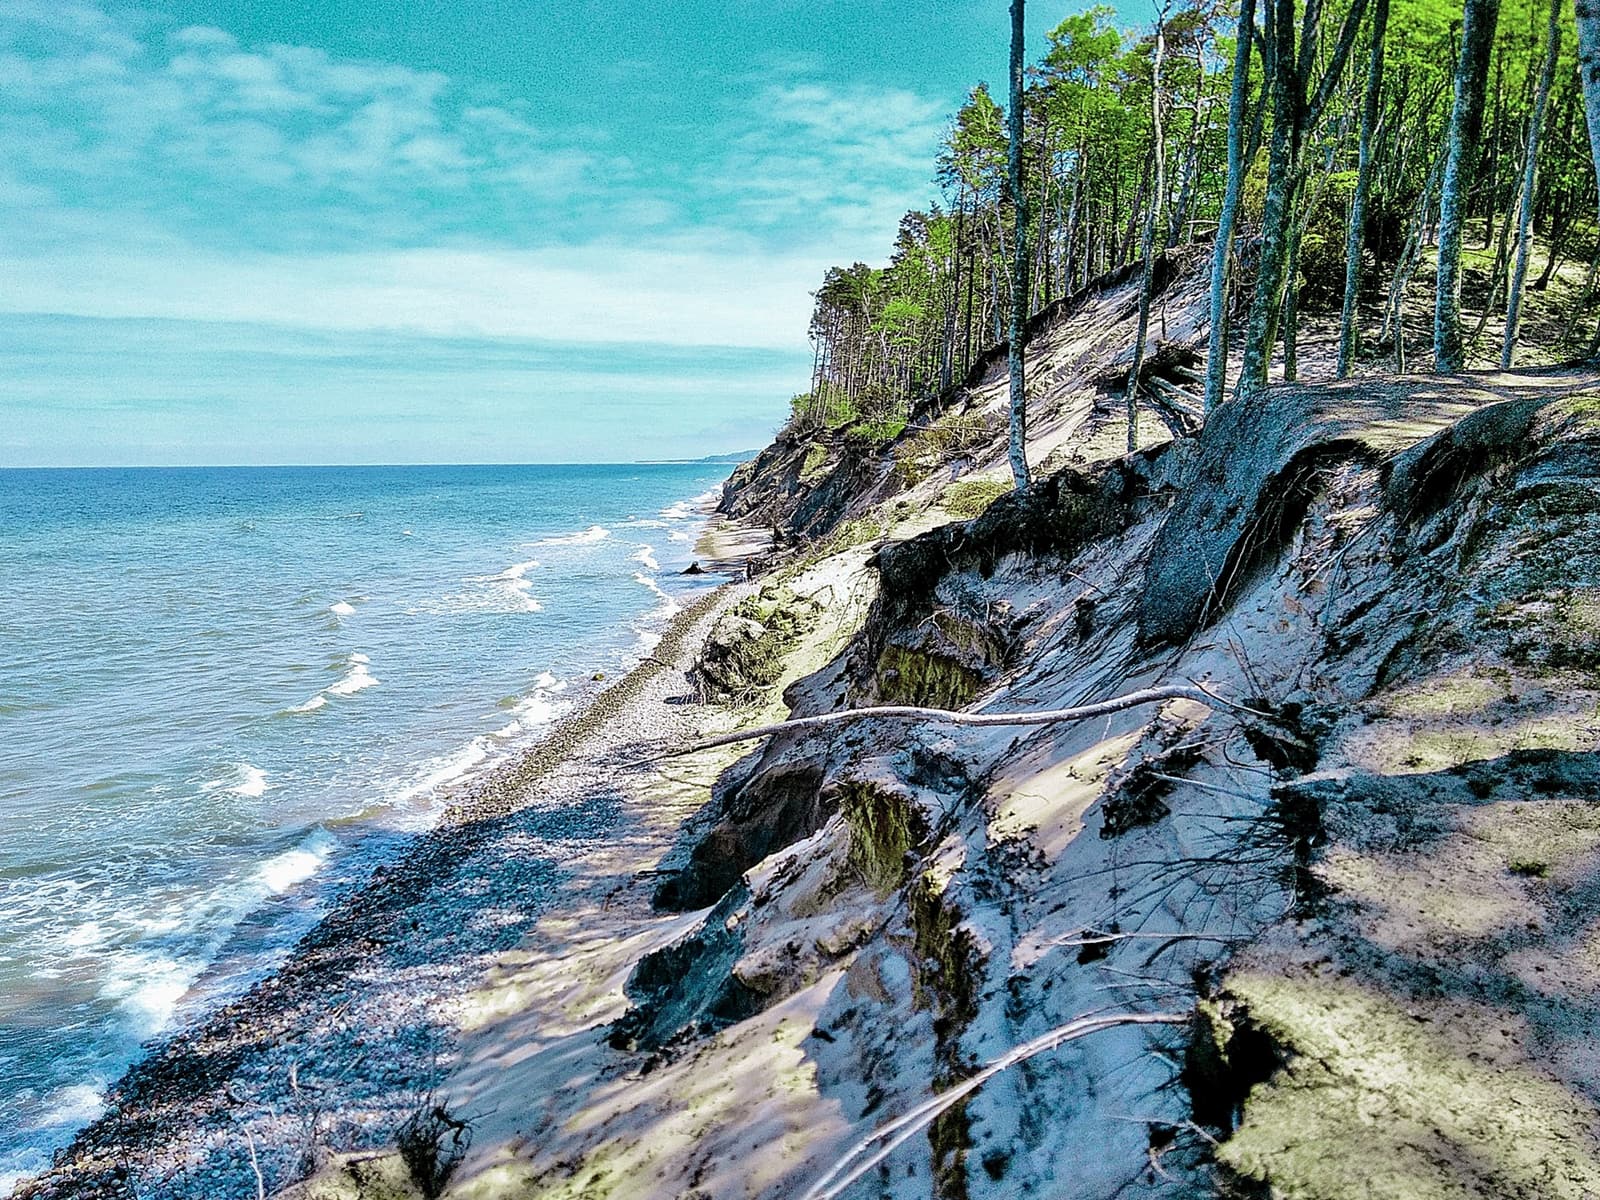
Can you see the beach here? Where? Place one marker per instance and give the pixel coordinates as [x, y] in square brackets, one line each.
[361, 1023]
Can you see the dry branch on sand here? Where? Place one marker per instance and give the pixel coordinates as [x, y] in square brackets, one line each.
[877, 1146]
[948, 716]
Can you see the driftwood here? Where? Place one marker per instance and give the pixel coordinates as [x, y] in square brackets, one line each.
[877, 1146]
[946, 716]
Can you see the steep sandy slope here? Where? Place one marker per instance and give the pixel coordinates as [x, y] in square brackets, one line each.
[1362, 881]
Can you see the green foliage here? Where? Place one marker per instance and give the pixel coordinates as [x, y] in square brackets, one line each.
[967, 498]
[814, 464]
[941, 441]
[877, 432]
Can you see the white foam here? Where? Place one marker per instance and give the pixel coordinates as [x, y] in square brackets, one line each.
[677, 535]
[295, 866]
[668, 604]
[647, 556]
[75, 1104]
[253, 784]
[82, 937]
[644, 523]
[310, 705]
[445, 770]
[684, 509]
[356, 679]
[595, 533]
[342, 609]
[147, 987]
[243, 780]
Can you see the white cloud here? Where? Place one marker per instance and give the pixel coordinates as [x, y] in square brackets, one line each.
[179, 174]
[724, 293]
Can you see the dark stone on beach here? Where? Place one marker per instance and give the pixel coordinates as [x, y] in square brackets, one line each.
[694, 568]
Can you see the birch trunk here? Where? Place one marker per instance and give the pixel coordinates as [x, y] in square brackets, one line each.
[1349, 333]
[1466, 127]
[1222, 251]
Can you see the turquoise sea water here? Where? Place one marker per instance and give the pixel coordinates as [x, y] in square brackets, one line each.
[224, 690]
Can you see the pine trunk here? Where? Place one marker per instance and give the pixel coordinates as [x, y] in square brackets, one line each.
[1147, 246]
[1281, 156]
[1019, 256]
[1588, 12]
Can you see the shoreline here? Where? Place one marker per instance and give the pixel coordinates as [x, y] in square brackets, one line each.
[248, 1060]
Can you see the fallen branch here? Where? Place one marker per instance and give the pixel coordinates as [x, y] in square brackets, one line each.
[255, 1166]
[947, 716]
[882, 1142]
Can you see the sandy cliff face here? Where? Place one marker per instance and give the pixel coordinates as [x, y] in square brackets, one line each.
[1362, 883]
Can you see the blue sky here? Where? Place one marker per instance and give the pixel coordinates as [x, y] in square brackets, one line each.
[446, 230]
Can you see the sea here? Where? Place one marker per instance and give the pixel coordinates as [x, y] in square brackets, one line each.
[226, 692]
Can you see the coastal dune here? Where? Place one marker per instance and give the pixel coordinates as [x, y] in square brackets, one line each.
[1322, 915]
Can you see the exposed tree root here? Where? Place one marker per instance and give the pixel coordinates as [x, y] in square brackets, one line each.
[881, 1142]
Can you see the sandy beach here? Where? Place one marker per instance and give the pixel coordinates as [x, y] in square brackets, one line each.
[363, 1022]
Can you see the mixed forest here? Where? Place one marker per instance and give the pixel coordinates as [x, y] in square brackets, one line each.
[1413, 176]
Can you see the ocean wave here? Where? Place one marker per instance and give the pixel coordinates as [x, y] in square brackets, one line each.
[356, 679]
[668, 606]
[146, 986]
[643, 523]
[311, 705]
[540, 708]
[646, 555]
[507, 591]
[677, 535]
[243, 780]
[684, 509]
[595, 533]
[342, 609]
[283, 872]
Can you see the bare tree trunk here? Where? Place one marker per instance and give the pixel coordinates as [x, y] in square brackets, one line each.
[1530, 171]
[1466, 126]
[1222, 250]
[1019, 259]
[1588, 13]
[1282, 154]
[1147, 246]
[1349, 332]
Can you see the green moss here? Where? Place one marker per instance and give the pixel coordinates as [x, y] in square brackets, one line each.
[967, 498]
[815, 464]
[883, 831]
[907, 676]
[947, 971]
[743, 669]
[1376, 1103]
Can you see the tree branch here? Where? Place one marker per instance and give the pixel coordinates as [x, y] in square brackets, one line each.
[881, 1142]
[948, 716]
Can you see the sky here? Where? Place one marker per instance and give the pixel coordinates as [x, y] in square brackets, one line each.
[352, 231]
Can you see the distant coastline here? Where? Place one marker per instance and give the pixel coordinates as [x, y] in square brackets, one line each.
[737, 457]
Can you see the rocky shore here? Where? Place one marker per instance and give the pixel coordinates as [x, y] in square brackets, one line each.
[353, 1034]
